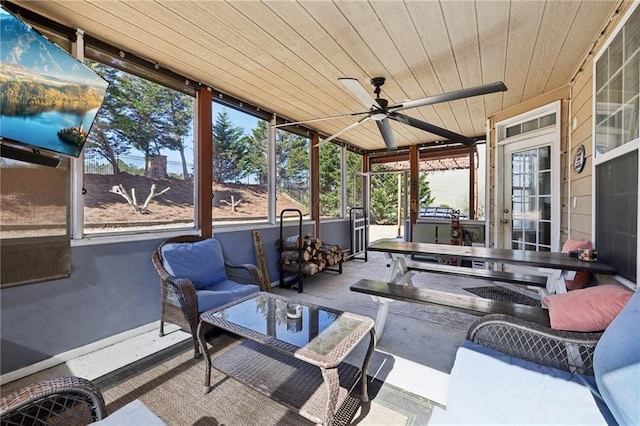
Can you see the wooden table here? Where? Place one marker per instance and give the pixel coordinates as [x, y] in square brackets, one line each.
[555, 264]
[542, 259]
[289, 359]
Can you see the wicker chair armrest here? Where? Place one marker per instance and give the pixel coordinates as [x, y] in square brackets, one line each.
[243, 273]
[566, 350]
[62, 400]
[180, 292]
[157, 263]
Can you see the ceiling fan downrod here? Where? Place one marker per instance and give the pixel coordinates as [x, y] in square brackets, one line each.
[379, 114]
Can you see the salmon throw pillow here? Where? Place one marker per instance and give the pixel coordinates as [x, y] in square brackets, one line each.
[587, 309]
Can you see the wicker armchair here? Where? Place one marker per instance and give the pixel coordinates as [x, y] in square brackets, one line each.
[68, 401]
[565, 350]
[179, 294]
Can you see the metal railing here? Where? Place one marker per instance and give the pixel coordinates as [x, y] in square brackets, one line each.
[130, 164]
[298, 193]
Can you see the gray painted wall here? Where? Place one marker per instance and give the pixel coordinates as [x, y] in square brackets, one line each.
[112, 288]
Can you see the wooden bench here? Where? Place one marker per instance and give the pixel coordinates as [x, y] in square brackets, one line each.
[459, 302]
[486, 274]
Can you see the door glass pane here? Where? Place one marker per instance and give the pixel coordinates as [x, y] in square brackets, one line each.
[544, 159]
[514, 130]
[545, 183]
[545, 234]
[548, 120]
[530, 125]
[531, 198]
[545, 208]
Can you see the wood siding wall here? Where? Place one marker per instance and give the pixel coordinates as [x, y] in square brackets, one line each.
[581, 128]
[576, 130]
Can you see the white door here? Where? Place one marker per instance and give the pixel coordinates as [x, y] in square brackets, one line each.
[529, 202]
[528, 181]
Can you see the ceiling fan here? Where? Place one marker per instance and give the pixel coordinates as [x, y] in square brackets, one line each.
[380, 111]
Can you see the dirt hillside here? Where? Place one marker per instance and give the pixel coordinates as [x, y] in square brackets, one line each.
[102, 206]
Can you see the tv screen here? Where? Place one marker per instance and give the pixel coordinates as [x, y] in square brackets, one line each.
[48, 99]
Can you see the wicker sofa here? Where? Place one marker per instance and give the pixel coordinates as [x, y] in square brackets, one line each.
[195, 277]
[510, 371]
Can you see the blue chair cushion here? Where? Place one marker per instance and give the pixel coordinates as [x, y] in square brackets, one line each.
[616, 364]
[202, 262]
[223, 293]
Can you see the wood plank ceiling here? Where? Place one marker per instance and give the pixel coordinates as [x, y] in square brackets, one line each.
[286, 56]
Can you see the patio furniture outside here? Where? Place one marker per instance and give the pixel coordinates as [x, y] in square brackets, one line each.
[195, 277]
[293, 348]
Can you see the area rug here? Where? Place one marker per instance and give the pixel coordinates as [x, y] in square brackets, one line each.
[170, 383]
[504, 295]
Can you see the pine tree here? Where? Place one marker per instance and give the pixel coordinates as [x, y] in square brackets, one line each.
[330, 180]
[229, 145]
[254, 162]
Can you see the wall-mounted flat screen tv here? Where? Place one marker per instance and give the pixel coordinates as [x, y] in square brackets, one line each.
[48, 99]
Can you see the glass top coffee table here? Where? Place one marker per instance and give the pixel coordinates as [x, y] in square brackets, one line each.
[293, 352]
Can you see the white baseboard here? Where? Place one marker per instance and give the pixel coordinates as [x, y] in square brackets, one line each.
[76, 353]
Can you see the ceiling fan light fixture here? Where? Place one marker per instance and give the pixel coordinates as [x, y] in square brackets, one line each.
[379, 116]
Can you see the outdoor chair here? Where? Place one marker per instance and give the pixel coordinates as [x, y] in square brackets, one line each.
[69, 401]
[195, 278]
[59, 401]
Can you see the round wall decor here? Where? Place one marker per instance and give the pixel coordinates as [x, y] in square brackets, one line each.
[579, 159]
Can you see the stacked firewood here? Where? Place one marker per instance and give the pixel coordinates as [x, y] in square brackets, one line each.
[309, 254]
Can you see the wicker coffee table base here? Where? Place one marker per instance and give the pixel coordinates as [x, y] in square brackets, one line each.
[315, 393]
[311, 379]
[293, 383]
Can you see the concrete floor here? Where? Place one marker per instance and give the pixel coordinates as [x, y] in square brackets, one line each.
[416, 351]
[417, 348]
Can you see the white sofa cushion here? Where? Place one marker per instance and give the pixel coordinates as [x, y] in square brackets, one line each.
[489, 387]
[134, 413]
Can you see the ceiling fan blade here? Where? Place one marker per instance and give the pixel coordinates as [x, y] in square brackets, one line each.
[360, 92]
[313, 120]
[346, 129]
[427, 127]
[387, 133]
[498, 86]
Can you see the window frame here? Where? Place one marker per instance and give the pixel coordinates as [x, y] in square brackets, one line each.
[83, 45]
[100, 52]
[619, 151]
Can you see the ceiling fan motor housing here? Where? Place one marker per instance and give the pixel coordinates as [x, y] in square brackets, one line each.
[377, 82]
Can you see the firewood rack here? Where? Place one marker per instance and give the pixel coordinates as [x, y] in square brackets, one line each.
[297, 277]
[302, 255]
